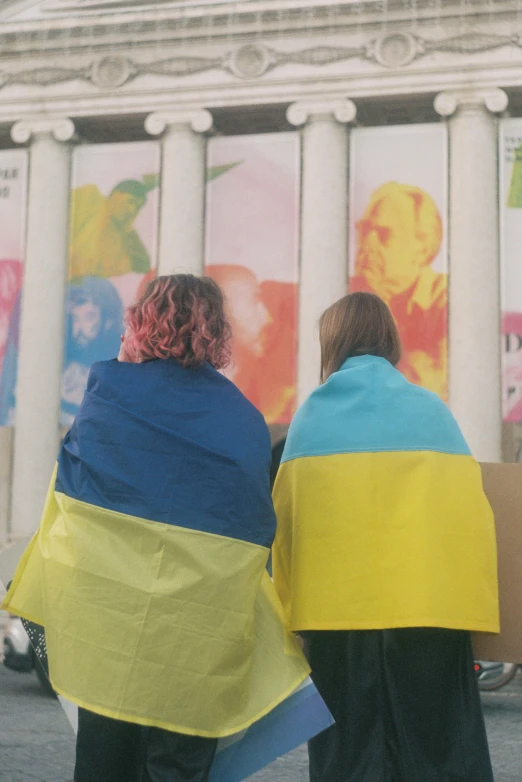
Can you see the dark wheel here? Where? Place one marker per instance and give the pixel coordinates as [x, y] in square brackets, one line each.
[492, 676]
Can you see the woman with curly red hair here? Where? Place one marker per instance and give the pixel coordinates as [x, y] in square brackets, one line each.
[148, 571]
[178, 316]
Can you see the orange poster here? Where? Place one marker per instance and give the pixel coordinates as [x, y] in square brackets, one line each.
[252, 247]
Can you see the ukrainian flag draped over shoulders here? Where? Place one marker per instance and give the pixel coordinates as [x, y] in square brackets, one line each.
[382, 519]
[148, 570]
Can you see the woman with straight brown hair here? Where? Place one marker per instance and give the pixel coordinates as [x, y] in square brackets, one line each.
[385, 560]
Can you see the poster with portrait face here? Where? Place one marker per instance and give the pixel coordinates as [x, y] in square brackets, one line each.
[13, 213]
[398, 246]
[252, 251]
[510, 194]
[113, 230]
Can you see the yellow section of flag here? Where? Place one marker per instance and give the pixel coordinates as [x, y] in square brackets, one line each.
[156, 624]
[385, 539]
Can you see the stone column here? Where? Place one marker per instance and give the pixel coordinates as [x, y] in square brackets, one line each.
[42, 320]
[6, 449]
[324, 223]
[183, 180]
[474, 282]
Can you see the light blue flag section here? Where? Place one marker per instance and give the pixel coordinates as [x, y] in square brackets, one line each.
[300, 717]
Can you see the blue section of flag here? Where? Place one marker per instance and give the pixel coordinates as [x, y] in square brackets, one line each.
[292, 723]
[170, 444]
[369, 406]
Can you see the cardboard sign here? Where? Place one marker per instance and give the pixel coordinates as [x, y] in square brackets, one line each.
[503, 486]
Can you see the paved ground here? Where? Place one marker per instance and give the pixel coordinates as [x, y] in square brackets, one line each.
[37, 744]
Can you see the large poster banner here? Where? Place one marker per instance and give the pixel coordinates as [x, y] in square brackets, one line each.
[112, 252]
[398, 247]
[510, 191]
[13, 211]
[252, 251]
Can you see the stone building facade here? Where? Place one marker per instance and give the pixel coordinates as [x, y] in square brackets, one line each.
[89, 71]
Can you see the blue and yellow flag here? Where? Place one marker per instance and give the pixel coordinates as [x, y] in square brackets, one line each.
[148, 570]
[382, 519]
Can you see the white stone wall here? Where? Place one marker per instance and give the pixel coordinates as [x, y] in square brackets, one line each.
[6, 456]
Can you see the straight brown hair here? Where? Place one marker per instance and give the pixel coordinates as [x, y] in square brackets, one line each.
[359, 324]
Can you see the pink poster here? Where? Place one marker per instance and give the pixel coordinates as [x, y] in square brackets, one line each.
[510, 188]
[112, 252]
[13, 210]
[252, 251]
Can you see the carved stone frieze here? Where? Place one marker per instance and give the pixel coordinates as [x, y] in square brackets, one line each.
[45, 76]
[320, 55]
[179, 66]
[472, 42]
[395, 50]
[250, 61]
[392, 50]
[112, 71]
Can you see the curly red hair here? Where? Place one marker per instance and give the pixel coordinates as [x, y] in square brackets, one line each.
[179, 316]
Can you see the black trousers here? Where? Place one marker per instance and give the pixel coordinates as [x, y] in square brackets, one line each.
[406, 706]
[108, 750]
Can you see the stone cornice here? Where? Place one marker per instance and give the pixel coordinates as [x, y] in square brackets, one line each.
[251, 18]
[105, 80]
[122, 102]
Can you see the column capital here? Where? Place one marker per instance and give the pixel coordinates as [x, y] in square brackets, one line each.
[342, 109]
[60, 128]
[198, 120]
[493, 100]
